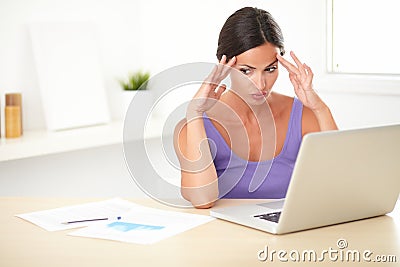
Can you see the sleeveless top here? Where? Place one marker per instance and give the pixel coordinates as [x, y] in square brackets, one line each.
[239, 178]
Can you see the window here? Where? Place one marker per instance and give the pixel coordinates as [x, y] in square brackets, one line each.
[363, 36]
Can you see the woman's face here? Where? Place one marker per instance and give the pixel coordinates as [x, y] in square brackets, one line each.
[257, 71]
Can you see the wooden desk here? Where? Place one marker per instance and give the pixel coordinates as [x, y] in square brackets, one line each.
[217, 243]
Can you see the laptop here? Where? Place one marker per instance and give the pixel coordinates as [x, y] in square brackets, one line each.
[339, 176]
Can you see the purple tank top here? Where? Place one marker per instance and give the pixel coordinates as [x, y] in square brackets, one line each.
[239, 178]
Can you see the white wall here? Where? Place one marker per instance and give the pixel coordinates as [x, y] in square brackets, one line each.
[156, 35]
[117, 31]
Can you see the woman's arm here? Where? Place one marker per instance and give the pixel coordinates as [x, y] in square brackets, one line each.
[324, 117]
[310, 122]
[199, 183]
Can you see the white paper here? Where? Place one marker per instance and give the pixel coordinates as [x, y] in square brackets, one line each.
[52, 220]
[144, 226]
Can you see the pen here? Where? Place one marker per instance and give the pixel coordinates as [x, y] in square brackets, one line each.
[89, 220]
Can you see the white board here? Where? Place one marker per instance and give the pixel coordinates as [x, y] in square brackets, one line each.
[69, 73]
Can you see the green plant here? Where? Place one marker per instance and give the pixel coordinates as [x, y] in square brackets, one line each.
[135, 81]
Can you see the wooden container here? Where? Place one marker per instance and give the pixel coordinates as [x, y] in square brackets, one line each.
[13, 121]
[15, 99]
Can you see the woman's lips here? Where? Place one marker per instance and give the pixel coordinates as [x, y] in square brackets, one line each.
[260, 95]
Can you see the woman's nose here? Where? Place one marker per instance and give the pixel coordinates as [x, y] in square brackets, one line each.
[260, 82]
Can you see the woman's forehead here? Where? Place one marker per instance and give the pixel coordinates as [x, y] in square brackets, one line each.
[261, 55]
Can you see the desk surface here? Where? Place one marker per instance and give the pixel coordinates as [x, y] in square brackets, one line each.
[217, 243]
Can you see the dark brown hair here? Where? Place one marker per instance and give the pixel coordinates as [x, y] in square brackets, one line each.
[247, 28]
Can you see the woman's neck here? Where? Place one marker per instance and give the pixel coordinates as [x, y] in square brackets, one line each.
[247, 113]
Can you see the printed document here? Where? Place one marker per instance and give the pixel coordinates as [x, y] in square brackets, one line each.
[144, 226]
[117, 219]
[54, 219]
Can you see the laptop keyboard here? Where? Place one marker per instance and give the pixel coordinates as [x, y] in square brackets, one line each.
[273, 216]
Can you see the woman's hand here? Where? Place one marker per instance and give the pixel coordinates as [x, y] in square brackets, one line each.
[301, 77]
[209, 94]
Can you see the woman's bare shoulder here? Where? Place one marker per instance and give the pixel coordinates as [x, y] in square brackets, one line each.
[309, 121]
[280, 102]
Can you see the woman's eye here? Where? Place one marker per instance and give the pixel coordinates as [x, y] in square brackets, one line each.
[245, 71]
[271, 69]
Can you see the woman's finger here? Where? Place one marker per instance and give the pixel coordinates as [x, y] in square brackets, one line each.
[297, 89]
[228, 67]
[298, 63]
[220, 90]
[232, 61]
[223, 60]
[215, 73]
[220, 68]
[294, 81]
[211, 77]
[310, 74]
[289, 66]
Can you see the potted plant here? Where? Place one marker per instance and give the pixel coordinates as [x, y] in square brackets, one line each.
[136, 85]
[135, 81]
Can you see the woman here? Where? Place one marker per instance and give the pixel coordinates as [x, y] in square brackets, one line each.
[253, 133]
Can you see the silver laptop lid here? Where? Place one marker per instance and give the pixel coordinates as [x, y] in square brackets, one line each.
[342, 176]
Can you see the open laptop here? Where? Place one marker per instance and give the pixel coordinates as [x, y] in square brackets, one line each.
[339, 176]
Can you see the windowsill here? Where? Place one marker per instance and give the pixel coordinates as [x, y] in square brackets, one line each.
[380, 85]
